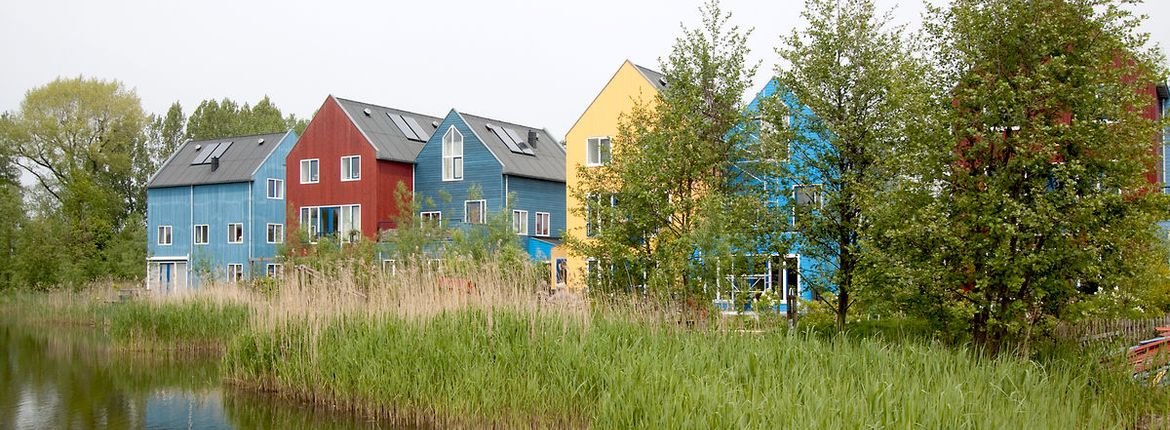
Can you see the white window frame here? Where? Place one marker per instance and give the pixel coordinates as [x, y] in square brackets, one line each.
[593, 151]
[345, 219]
[195, 234]
[452, 166]
[547, 221]
[347, 173]
[307, 173]
[271, 228]
[818, 199]
[169, 235]
[482, 212]
[278, 186]
[389, 263]
[235, 272]
[435, 215]
[274, 270]
[238, 225]
[522, 229]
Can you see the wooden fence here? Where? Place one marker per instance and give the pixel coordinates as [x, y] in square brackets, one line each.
[1127, 331]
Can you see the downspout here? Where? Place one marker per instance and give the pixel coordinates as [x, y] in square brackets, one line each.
[251, 226]
[191, 240]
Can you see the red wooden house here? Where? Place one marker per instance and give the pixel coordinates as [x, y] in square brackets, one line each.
[344, 171]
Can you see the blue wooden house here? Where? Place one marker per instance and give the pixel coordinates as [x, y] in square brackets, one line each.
[507, 162]
[216, 210]
[765, 270]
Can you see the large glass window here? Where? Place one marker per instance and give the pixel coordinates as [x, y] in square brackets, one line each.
[310, 171]
[351, 168]
[344, 221]
[597, 151]
[453, 155]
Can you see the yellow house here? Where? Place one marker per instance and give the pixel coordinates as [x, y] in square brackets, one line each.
[589, 143]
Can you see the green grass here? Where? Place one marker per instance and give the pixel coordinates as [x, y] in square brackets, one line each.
[509, 368]
[189, 321]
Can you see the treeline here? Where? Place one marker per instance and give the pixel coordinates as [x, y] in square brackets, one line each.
[987, 174]
[75, 159]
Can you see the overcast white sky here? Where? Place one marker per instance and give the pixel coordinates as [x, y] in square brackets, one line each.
[537, 63]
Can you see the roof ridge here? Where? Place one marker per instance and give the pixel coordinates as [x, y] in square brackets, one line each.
[505, 122]
[239, 136]
[385, 107]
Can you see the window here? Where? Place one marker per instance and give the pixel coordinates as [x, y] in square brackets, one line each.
[591, 273]
[164, 235]
[542, 223]
[343, 221]
[593, 205]
[351, 168]
[201, 234]
[597, 151]
[453, 155]
[275, 189]
[235, 272]
[351, 222]
[432, 217]
[310, 171]
[390, 267]
[235, 233]
[474, 211]
[807, 197]
[520, 222]
[275, 233]
[274, 270]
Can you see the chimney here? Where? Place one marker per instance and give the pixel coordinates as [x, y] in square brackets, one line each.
[532, 138]
[214, 163]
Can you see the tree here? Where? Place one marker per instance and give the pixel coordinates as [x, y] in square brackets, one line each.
[79, 138]
[849, 87]
[1044, 197]
[669, 199]
[213, 119]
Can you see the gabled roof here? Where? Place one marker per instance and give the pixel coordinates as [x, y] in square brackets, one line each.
[547, 161]
[655, 77]
[238, 162]
[389, 141]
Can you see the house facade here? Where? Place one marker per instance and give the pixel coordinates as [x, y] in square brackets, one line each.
[589, 143]
[348, 165]
[215, 210]
[472, 167]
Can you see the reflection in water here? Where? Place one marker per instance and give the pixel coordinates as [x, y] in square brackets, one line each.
[66, 378]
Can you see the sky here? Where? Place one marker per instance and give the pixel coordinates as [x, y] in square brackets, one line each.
[537, 63]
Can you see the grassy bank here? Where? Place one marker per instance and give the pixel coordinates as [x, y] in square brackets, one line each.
[199, 322]
[518, 368]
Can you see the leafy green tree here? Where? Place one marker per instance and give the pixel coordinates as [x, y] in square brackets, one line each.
[671, 198]
[213, 119]
[1044, 198]
[79, 138]
[849, 88]
[11, 210]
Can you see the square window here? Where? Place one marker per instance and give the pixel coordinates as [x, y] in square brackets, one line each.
[310, 171]
[164, 235]
[274, 270]
[275, 189]
[235, 233]
[351, 168]
[542, 223]
[235, 272]
[275, 233]
[475, 211]
[598, 151]
[200, 234]
[390, 267]
[520, 222]
[435, 217]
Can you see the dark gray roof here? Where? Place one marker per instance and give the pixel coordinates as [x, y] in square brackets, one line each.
[237, 164]
[391, 143]
[547, 161]
[653, 76]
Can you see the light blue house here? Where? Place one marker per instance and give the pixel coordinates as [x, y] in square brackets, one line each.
[767, 270]
[503, 160]
[216, 210]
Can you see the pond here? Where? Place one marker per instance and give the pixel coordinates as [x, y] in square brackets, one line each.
[66, 378]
